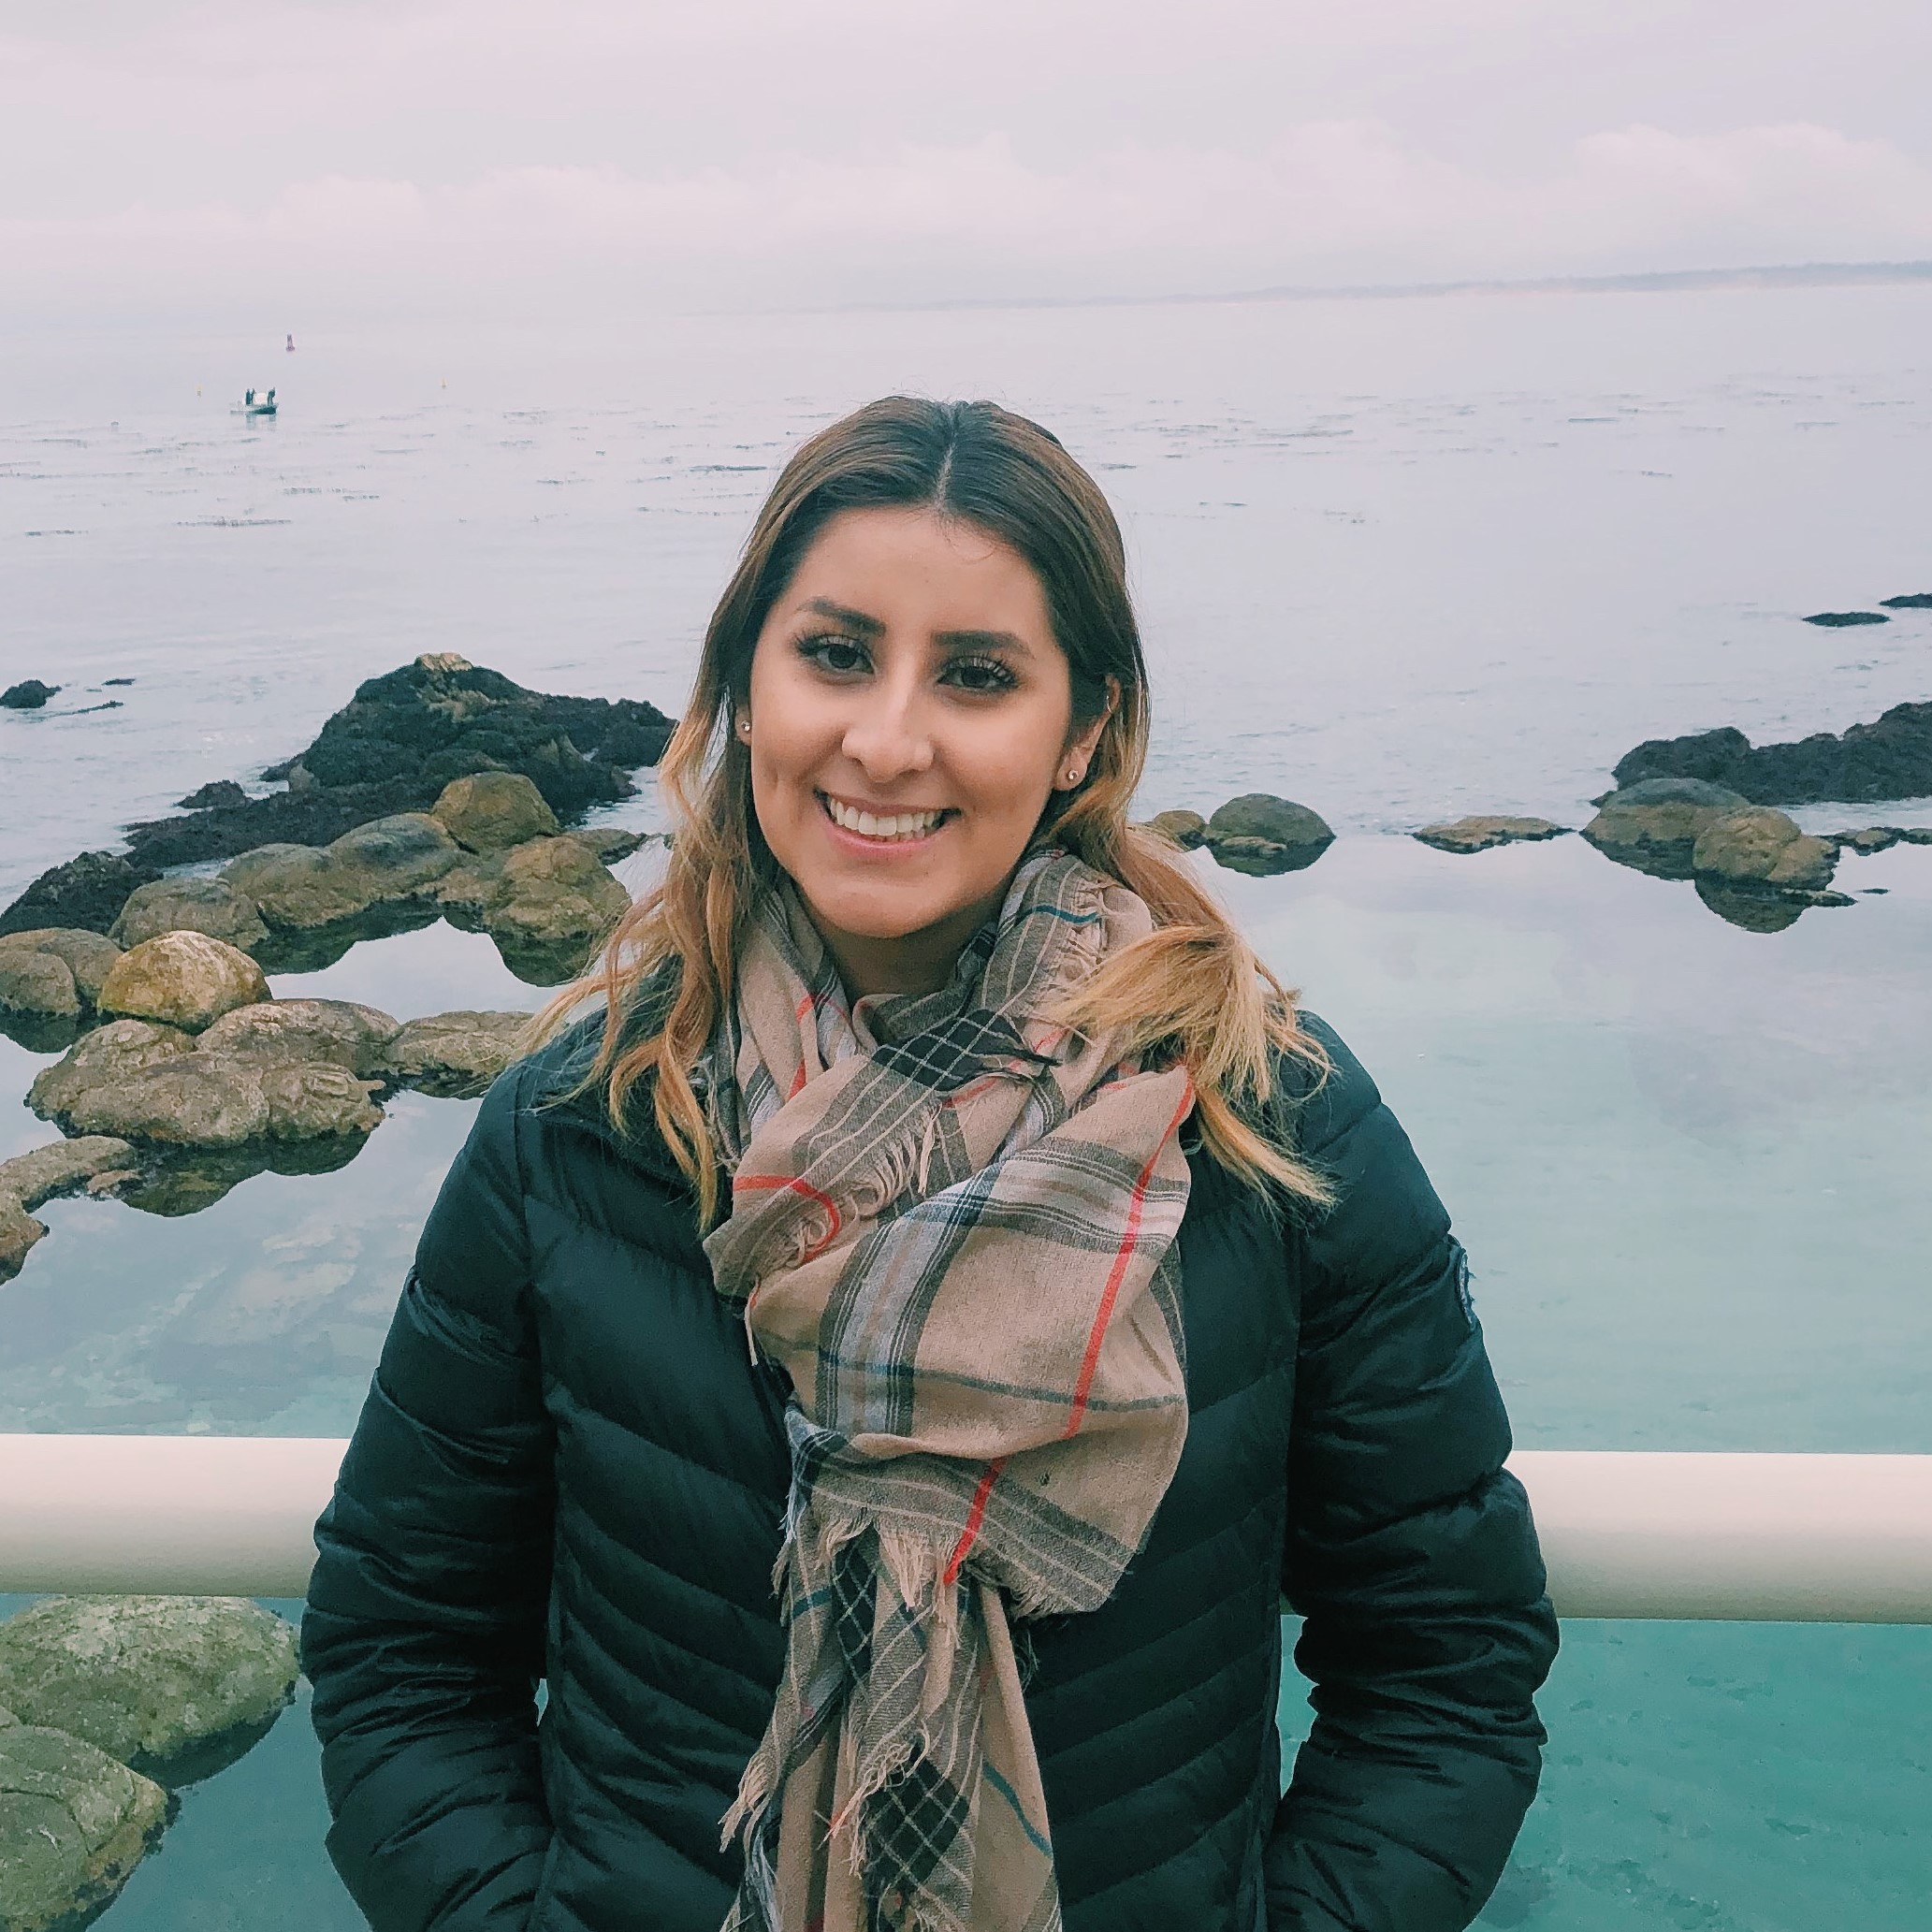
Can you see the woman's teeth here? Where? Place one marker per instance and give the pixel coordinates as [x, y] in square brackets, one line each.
[899, 825]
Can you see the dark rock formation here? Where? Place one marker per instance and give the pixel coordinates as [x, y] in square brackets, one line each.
[392, 750]
[1919, 599]
[28, 695]
[217, 791]
[88, 892]
[1841, 619]
[1891, 758]
[1478, 833]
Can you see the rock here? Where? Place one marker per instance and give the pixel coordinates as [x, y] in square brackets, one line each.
[1653, 825]
[217, 791]
[19, 1231]
[610, 843]
[61, 1167]
[210, 905]
[183, 979]
[1871, 838]
[549, 903]
[1477, 835]
[89, 956]
[1759, 846]
[29, 695]
[36, 983]
[1178, 827]
[158, 1085]
[111, 1056]
[74, 1822]
[491, 811]
[454, 1055]
[1891, 758]
[1840, 620]
[176, 1687]
[88, 892]
[302, 1032]
[1918, 600]
[1260, 834]
[387, 861]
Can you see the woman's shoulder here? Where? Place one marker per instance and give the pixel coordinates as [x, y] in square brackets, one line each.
[1322, 1096]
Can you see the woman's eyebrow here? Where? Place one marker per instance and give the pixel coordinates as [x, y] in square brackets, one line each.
[852, 619]
[960, 641]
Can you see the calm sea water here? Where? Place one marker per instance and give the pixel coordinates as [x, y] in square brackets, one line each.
[1397, 559]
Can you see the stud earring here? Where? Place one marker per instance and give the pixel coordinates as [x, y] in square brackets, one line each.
[744, 727]
[1074, 774]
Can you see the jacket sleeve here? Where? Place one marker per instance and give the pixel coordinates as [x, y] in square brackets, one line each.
[424, 1636]
[1410, 1554]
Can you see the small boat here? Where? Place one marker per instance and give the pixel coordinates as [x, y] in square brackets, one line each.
[256, 403]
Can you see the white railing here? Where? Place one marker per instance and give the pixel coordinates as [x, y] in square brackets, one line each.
[1764, 1538]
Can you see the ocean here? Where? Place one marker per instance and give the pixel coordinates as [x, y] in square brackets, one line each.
[1396, 558]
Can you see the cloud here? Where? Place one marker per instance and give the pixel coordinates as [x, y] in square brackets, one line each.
[1327, 200]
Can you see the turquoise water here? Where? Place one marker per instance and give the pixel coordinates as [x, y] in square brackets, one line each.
[1398, 561]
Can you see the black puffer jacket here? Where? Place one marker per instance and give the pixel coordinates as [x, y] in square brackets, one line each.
[570, 1469]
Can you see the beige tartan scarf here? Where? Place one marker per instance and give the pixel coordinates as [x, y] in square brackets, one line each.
[953, 1225]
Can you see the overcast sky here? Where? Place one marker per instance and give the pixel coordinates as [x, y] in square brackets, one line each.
[398, 156]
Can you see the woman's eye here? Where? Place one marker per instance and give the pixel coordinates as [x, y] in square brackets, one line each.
[834, 653]
[980, 675]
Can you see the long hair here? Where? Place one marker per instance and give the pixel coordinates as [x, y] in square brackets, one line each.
[1192, 990]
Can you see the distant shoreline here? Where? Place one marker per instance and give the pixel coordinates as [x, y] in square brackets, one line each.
[1657, 282]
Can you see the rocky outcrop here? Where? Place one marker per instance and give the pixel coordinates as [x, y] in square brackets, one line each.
[1891, 758]
[28, 695]
[1478, 833]
[393, 749]
[210, 905]
[183, 980]
[454, 1055]
[549, 903]
[1845, 619]
[28, 1179]
[88, 892]
[73, 1823]
[1759, 846]
[175, 1688]
[1878, 838]
[491, 811]
[1917, 600]
[303, 1032]
[402, 739]
[160, 1085]
[385, 862]
[1653, 825]
[86, 957]
[1261, 835]
[1178, 827]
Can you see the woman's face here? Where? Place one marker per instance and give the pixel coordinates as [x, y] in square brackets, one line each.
[910, 712]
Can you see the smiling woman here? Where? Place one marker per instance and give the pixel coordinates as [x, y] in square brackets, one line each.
[1094, 1303]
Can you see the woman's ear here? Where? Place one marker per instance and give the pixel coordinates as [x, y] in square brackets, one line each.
[1081, 745]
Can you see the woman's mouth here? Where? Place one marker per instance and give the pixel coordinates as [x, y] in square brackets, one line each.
[882, 828]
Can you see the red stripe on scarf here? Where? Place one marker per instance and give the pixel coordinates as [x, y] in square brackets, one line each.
[747, 1183]
[975, 1517]
[1117, 1273]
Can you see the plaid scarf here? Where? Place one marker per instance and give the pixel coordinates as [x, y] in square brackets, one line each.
[953, 1224]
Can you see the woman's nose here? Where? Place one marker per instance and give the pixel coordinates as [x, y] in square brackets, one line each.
[889, 738]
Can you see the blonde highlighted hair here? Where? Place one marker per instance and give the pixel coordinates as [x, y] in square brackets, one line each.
[1193, 991]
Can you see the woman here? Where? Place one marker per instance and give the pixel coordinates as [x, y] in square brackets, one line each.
[948, 1222]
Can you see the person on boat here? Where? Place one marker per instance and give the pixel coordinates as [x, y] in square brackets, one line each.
[883, 1362]
[248, 397]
